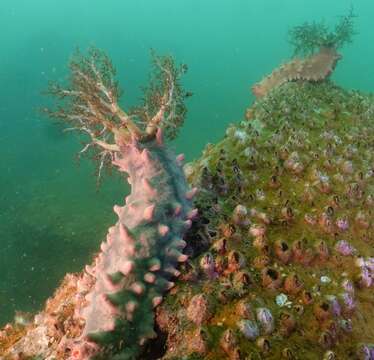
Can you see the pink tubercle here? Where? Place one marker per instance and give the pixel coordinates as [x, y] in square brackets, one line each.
[163, 230]
[148, 188]
[156, 265]
[180, 159]
[137, 288]
[177, 210]
[127, 267]
[131, 306]
[145, 155]
[190, 194]
[149, 212]
[118, 210]
[192, 214]
[187, 224]
[156, 301]
[150, 278]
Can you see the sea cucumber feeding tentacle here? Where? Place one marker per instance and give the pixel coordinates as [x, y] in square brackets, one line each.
[316, 67]
[139, 256]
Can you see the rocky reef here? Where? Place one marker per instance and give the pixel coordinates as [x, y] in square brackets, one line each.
[286, 199]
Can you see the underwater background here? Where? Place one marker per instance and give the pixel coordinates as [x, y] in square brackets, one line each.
[52, 217]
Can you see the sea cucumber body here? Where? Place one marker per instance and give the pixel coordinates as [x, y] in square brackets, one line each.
[137, 260]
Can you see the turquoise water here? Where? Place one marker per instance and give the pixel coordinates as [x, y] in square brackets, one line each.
[51, 216]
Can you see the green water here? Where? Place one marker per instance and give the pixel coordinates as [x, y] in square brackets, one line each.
[51, 216]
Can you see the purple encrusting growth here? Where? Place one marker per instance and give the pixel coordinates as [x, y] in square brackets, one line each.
[344, 248]
[139, 256]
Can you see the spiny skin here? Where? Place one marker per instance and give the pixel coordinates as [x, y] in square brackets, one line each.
[133, 270]
[291, 193]
[316, 67]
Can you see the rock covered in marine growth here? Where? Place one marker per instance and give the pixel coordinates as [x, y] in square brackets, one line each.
[288, 196]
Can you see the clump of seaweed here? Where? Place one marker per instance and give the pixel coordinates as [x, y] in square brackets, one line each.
[311, 36]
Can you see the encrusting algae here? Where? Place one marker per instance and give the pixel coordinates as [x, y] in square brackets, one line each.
[280, 258]
[294, 183]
